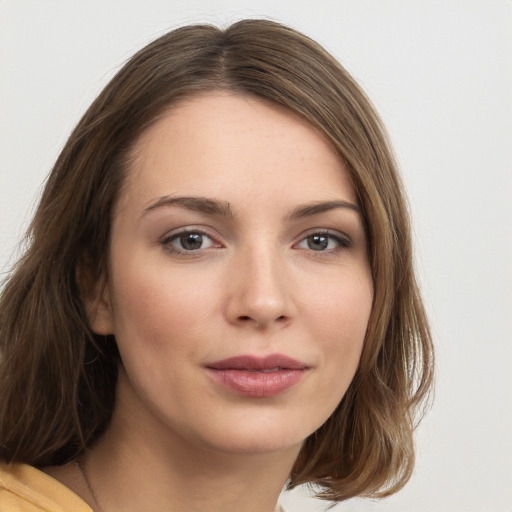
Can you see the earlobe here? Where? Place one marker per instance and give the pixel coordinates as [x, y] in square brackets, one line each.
[95, 295]
[99, 312]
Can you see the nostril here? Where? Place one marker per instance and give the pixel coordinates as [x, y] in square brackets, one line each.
[246, 318]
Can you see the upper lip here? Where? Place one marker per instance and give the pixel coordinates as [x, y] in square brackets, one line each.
[251, 362]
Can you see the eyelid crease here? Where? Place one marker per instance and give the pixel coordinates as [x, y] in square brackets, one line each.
[175, 233]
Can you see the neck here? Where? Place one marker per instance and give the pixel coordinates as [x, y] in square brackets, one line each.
[140, 465]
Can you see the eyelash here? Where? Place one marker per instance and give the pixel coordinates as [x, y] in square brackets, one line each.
[166, 242]
[343, 242]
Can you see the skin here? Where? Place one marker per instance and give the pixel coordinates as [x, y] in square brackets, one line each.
[258, 284]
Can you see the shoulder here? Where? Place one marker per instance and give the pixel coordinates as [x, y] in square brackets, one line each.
[24, 488]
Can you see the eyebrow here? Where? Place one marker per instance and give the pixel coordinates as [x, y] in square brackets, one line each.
[223, 208]
[198, 204]
[308, 210]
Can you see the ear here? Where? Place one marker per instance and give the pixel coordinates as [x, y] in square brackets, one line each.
[95, 294]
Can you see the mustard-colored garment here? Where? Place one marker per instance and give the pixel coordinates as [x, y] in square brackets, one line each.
[24, 488]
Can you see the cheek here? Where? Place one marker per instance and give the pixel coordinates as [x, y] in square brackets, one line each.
[159, 311]
[337, 321]
[340, 321]
[342, 307]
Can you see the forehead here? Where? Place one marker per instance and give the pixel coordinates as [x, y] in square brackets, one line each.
[236, 146]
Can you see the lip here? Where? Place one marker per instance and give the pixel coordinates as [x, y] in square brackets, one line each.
[257, 376]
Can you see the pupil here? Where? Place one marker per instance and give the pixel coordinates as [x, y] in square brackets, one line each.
[318, 242]
[191, 241]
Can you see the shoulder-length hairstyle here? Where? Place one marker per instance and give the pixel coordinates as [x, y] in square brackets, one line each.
[57, 378]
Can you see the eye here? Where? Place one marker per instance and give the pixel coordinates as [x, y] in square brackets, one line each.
[188, 241]
[324, 242]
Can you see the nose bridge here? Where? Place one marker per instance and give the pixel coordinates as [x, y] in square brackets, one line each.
[259, 293]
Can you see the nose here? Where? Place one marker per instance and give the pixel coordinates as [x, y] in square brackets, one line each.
[259, 291]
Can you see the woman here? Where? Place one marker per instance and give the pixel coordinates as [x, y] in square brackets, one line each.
[218, 296]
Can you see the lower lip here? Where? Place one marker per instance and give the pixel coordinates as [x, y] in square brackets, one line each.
[257, 384]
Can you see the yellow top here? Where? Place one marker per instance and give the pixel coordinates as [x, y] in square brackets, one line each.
[24, 488]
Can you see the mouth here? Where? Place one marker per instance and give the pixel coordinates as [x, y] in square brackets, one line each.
[255, 376]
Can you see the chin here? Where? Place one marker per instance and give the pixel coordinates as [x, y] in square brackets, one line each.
[257, 446]
[256, 438]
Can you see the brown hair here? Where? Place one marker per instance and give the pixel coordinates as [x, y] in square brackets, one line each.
[57, 378]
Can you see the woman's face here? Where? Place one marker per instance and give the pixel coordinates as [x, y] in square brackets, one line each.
[239, 290]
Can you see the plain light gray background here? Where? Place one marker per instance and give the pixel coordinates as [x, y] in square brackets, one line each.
[440, 73]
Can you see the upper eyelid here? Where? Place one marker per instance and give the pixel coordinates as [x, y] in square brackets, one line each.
[325, 231]
[167, 240]
[206, 231]
[173, 233]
